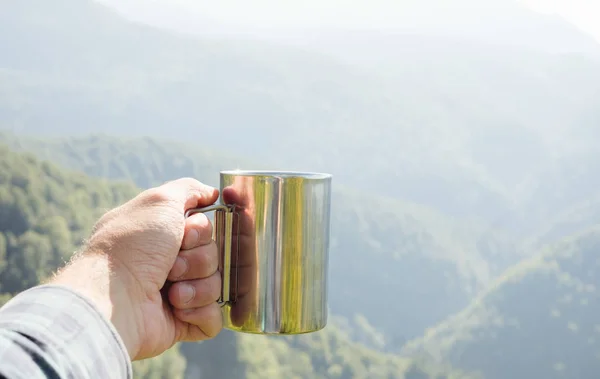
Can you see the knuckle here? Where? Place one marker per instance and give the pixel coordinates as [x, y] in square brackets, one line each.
[200, 219]
[156, 195]
[187, 182]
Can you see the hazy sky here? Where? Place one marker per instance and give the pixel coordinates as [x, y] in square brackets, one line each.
[583, 13]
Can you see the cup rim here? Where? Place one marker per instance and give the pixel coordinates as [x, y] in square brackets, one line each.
[280, 174]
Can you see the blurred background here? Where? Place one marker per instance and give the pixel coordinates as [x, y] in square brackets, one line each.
[463, 136]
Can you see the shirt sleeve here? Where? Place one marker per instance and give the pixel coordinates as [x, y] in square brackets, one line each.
[50, 331]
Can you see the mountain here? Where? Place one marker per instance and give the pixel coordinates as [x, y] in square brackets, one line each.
[47, 211]
[539, 320]
[379, 245]
[458, 126]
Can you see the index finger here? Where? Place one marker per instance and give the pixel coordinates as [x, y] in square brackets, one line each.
[191, 193]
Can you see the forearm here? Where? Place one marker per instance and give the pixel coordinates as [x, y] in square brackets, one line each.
[52, 331]
[97, 278]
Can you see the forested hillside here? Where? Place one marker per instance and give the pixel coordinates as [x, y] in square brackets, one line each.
[378, 243]
[45, 214]
[553, 291]
[540, 320]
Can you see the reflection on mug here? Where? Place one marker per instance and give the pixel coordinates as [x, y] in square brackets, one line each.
[244, 255]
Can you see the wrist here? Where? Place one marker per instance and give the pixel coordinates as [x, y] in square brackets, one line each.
[95, 277]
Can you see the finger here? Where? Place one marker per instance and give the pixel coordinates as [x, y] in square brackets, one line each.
[198, 231]
[197, 263]
[195, 293]
[205, 322]
[191, 193]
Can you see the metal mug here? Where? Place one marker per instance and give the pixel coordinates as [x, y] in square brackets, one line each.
[272, 230]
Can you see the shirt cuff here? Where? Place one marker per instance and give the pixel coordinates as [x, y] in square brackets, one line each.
[80, 340]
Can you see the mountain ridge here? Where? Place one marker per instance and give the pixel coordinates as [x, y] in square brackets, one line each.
[497, 333]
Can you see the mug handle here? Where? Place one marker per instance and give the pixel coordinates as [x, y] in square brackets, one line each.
[223, 236]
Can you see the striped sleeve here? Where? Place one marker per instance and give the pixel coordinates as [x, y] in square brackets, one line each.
[52, 332]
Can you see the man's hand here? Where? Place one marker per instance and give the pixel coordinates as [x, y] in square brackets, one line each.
[151, 271]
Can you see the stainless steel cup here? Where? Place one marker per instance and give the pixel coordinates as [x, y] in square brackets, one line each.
[272, 230]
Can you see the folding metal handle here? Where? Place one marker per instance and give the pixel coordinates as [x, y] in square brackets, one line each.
[223, 236]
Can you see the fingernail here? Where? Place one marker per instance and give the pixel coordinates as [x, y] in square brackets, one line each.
[180, 267]
[186, 293]
[191, 239]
